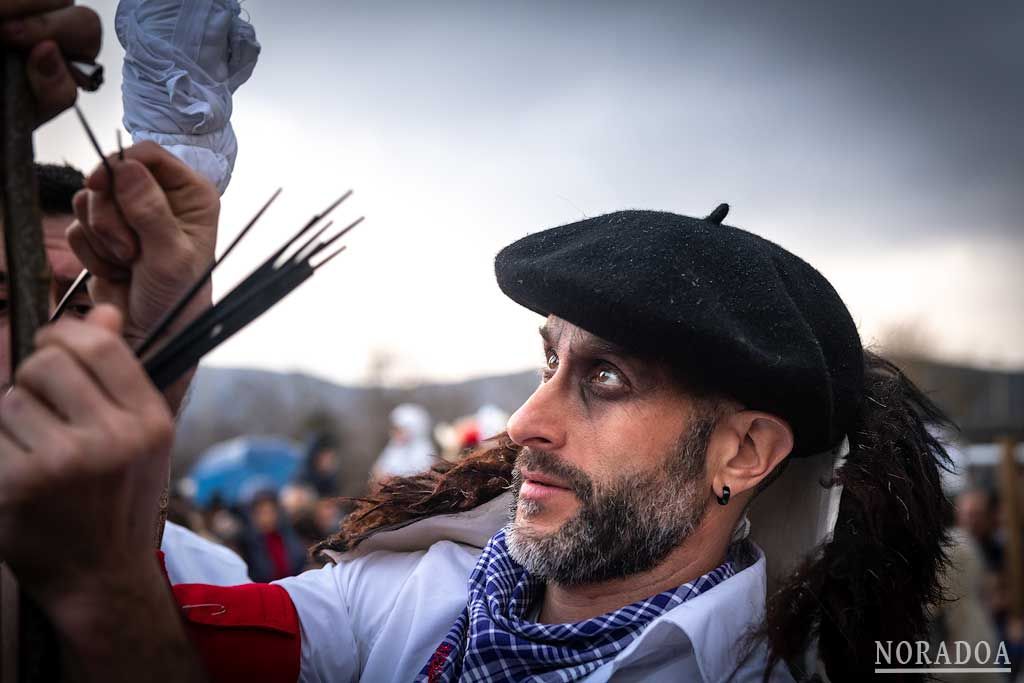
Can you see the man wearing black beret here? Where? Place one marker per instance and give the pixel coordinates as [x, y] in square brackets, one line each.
[701, 387]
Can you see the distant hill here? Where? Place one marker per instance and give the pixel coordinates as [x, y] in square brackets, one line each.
[228, 402]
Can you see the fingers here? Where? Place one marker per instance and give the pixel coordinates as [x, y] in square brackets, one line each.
[144, 206]
[95, 343]
[13, 457]
[76, 30]
[93, 262]
[52, 85]
[55, 377]
[27, 420]
[111, 238]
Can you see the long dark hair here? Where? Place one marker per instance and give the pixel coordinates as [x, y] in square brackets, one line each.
[880, 574]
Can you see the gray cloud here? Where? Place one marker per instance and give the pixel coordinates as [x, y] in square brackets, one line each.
[898, 119]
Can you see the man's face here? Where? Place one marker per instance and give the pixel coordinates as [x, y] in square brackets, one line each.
[611, 477]
[65, 266]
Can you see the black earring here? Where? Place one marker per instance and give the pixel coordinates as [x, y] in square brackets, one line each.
[724, 498]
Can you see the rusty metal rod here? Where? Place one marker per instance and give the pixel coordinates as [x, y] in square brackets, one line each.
[28, 274]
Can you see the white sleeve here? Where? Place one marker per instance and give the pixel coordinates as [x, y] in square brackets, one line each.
[342, 609]
[190, 558]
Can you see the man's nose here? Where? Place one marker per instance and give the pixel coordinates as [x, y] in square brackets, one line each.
[540, 422]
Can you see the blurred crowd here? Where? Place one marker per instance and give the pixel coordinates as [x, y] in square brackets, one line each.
[980, 576]
[270, 503]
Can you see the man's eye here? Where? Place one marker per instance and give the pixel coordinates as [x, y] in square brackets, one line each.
[550, 366]
[3, 306]
[79, 310]
[608, 377]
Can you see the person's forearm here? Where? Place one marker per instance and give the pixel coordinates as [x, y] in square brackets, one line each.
[123, 628]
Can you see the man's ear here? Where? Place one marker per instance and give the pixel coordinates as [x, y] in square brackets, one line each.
[760, 442]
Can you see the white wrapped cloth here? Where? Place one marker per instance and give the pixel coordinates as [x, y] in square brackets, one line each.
[183, 60]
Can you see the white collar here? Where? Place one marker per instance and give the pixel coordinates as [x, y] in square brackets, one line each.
[715, 623]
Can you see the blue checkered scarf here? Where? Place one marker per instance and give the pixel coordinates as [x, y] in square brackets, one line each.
[494, 640]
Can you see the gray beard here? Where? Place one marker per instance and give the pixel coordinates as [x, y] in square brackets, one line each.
[626, 528]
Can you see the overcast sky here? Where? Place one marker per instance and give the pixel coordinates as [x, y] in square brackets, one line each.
[881, 143]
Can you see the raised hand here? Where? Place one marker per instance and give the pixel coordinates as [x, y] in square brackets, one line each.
[145, 249]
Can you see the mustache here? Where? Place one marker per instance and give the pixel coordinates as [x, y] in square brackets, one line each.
[546, 463]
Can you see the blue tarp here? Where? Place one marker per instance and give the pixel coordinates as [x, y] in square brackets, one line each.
[236, 470]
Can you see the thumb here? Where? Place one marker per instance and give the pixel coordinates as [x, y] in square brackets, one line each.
[107, 317]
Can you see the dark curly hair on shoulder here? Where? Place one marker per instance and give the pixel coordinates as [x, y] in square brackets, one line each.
[58, 184]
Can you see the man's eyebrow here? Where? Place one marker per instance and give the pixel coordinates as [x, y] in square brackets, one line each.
[3, 277]
[585, 343]
[550, 332]
[596, 346]
[545, 334]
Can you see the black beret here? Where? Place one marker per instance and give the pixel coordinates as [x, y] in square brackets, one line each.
[738, 314]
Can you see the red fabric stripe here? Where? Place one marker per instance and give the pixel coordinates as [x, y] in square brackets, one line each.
[243, 634]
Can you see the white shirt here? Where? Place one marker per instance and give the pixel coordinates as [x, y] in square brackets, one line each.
[382, 610]
[190, 558]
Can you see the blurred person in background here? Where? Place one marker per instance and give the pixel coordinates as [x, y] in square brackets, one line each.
[224, 523]
[327, 516]
[464, 433]
[271, 548]
[977, 513]
[299, 503]
[964, 616]
[979, 517]
[323, 466]
[410, 448]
